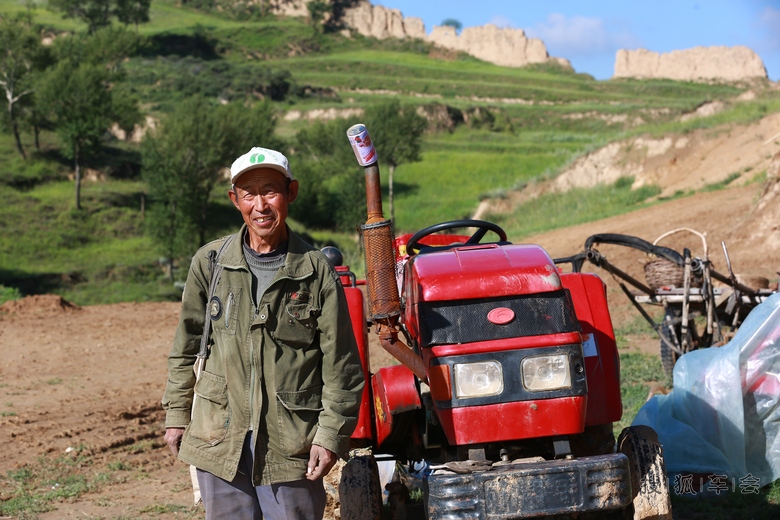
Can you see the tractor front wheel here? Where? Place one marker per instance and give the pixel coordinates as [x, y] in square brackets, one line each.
[670, 331]
[360, 493]
[649, 483]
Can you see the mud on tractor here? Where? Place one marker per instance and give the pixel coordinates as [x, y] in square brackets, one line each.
[508, 382]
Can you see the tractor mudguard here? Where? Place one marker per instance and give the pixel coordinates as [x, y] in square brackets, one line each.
[395, 391]
[356, 305]
[602, 364]
[532, 489]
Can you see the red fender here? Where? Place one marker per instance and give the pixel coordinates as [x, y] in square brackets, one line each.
[355, 303]
[395, 391]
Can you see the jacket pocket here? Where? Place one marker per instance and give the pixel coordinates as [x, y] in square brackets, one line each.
[298, 413]
[210, 411]
[297, 324]
[226, 320]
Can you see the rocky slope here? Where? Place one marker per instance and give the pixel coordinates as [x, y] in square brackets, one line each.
[744, 159]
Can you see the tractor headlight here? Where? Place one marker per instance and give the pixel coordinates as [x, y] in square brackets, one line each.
[546, 372]
[477, 379]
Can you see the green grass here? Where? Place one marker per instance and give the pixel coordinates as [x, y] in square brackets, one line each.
[34, 487]
[97, 255]
[457, 178]
[376, 69]
[164, 15]
[638, 371]
[9, 293]
[557, 210]
[722, 184]
[733, 504]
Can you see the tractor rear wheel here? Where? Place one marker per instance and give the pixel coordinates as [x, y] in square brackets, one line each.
[649, 483]
[360, 493]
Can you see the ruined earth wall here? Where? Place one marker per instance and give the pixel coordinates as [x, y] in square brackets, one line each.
[506, 47]
[696, 64]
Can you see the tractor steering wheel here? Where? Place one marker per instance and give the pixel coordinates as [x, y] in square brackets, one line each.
[482, 226]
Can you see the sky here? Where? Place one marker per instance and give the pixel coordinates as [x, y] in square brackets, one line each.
[589, 32]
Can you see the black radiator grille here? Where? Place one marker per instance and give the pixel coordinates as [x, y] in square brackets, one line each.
[465, 321]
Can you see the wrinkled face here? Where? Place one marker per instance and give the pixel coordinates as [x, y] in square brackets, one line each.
[262, 196]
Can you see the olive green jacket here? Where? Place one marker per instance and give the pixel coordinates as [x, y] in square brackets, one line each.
[289, 368]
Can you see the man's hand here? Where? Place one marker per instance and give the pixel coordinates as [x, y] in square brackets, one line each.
[321, 460]
[173, 439]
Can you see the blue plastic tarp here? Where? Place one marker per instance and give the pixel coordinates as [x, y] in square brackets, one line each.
[723, 415]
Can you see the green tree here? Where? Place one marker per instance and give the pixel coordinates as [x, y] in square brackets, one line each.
[184, 158]
[82, 95]
[78, 101]
[332, 187]
[98, 13]
[452, 22]
[317, 11]
[107, 47]
[132, 11]
[396, 132]
[22, 57]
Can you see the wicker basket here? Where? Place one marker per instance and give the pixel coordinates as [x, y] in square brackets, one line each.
[665, 273]
[660, 272]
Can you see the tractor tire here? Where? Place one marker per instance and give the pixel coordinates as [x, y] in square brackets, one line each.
[668, 356]
[649, 483]
[360, 493]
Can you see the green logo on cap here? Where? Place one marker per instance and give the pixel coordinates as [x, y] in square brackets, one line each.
[257, 158]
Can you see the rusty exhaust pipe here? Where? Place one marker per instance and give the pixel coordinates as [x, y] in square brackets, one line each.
[377, 234]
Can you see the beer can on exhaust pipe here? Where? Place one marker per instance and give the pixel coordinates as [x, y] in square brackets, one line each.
[361, 144]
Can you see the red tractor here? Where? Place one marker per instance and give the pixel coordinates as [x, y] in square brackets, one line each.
[508, 385]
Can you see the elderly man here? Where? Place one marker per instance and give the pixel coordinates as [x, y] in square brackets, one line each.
[277, 398]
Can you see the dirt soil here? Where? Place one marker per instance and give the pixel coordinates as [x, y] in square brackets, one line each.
[88, 381]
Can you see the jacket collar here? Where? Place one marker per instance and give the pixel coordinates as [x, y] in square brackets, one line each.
[297, 264]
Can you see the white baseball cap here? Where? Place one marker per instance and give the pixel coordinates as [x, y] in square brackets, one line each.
[260, 158]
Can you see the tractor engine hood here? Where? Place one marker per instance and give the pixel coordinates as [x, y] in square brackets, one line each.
[480, 271]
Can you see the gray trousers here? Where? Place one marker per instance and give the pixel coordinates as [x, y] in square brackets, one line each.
[240, 500]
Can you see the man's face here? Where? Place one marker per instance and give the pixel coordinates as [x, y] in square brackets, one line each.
[262, 196]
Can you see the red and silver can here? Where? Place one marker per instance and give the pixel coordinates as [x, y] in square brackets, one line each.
[361, 144]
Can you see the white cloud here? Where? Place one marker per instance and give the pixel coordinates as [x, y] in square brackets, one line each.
[769, 21]
[502, 22]
[582, 36]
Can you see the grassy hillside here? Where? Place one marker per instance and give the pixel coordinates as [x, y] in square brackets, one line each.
[523, 124]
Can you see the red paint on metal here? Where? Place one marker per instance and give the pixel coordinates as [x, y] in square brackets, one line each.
[394, 391]
[484, 271]
[589, 296]
[501, 315]
[513, 421]
[550, 340]
[439, 380]
[359, 328]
